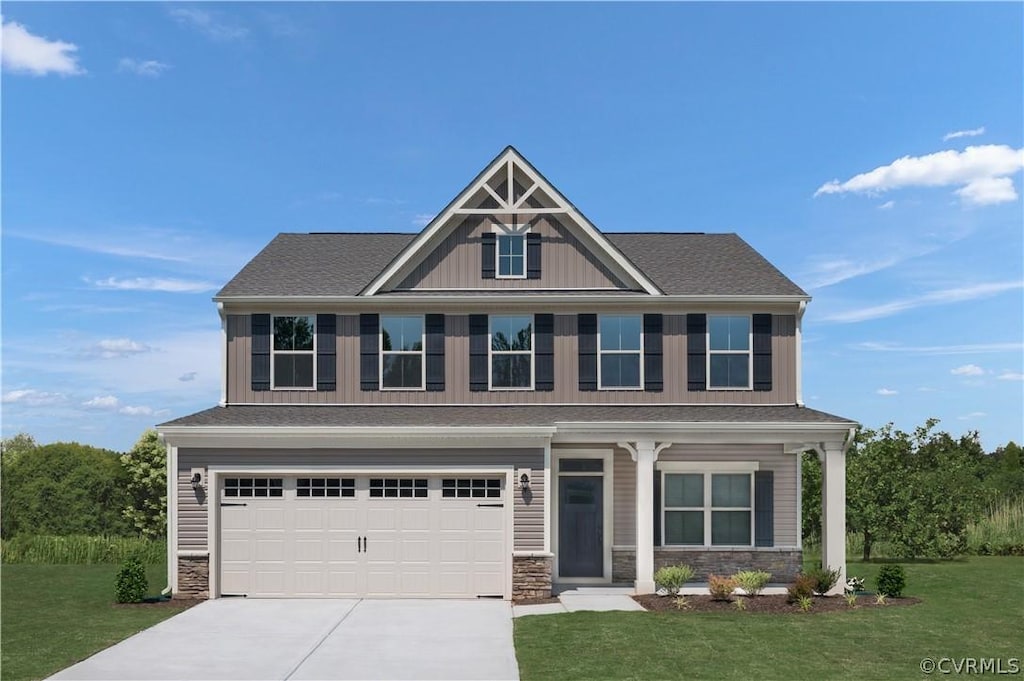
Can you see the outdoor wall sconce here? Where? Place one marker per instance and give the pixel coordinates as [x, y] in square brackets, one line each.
[197, 478]
[524, 479]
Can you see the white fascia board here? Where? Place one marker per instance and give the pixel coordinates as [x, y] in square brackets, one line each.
[293, 437]
[534, 298]
[703, 432]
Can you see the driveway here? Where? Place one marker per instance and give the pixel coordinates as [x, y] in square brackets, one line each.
[316, 639]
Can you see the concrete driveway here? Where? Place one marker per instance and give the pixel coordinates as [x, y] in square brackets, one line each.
[316, 639]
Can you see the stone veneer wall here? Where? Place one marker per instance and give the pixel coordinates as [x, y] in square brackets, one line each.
[783, 564]
[193, 577]
[531, 577]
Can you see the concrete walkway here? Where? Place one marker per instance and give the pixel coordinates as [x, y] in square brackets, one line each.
[316, 639]
[573, 599]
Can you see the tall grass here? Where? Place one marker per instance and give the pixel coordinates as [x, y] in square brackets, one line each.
[1000, 532]
[80, 550]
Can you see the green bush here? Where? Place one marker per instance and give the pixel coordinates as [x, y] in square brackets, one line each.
[824, 579]
[80, 550]
[891, 580]
[721, 588]
[802, 587]
[131, 584]
[752, 581]
[673, 577]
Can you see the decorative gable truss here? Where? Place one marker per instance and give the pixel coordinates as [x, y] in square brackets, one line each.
[504, 223]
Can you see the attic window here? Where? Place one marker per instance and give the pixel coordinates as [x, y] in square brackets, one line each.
[511, 256]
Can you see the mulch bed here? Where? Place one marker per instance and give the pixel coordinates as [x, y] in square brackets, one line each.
[182, 603]
[766, 604]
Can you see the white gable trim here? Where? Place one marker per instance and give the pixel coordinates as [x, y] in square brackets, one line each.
[414, 252]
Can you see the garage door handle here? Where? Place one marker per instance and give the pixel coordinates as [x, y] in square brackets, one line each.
[490, 505]
[359, 544]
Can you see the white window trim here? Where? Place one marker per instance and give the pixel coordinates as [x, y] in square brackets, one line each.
[707, 469]
[600, 352]
[422, 353]
[274, 352]
[498, 256]
[491, 352]
[749, 352]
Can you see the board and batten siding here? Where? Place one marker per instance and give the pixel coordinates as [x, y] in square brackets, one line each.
[769, 457]
[565, 264]
[566, 365]
[528, 516]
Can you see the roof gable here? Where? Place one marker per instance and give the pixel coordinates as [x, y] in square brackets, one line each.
[510, 191]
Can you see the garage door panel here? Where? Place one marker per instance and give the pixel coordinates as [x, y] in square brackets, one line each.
[270, 550]
[235, 550]
[342, 582]
[343, 518]
[269, 519]
[455, 519]
[416, 551]
[269, 582]
[309, 518]
[489, 551]
[380, 518]
[309, 550]
[489, 519]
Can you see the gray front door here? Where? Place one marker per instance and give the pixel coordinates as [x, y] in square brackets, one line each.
[580, 526]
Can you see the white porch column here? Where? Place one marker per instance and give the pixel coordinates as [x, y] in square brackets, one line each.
[833, 510]
[644, 453]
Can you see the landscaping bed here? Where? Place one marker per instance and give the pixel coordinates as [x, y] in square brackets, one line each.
[765, 604]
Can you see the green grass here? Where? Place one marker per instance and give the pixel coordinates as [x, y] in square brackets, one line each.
[56, 615]
[79, 549]
[972, 608]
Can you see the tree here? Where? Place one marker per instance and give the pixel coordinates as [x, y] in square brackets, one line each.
[64, 488]
[146, 467]
[810, 501]
[12, 448]
[1006, 471]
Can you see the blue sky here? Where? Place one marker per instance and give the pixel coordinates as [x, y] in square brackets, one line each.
[872, 151]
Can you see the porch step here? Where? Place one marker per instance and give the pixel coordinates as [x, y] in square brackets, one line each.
[592, 590]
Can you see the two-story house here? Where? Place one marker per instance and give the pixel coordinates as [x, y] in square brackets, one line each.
[507, 399]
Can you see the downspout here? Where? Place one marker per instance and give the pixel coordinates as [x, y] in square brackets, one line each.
[223, 355]
[800, 353]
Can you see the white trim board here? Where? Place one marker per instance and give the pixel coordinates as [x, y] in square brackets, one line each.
[608, 519]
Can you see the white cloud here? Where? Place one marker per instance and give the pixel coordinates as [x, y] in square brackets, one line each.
[32, 398]
[1011, 376]
[136, 411]
[119, 347]
[208, 24]
[422, 219]
[988, 191]
[189, 376]
[829, 272]
[968, 370]
[886, 392]
[943, 297]
[150, 68]
[22, 52]
[102, 402]
[972, 415]
[963, 133]
[974, 169]
[965, 349]
[887, 205]
[166, 285]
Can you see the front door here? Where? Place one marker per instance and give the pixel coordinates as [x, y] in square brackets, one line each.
[580, 526]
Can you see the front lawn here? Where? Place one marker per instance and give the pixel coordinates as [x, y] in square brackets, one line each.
[56, 615]
[972, 608]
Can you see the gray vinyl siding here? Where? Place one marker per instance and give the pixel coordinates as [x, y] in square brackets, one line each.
[565, 262]
[566, 389]
[528, 517]
[770, 457]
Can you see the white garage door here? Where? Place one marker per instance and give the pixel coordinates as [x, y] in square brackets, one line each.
[370, 535]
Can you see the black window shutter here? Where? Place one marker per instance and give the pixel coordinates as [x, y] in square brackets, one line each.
[435, 352]
[653, 381]
[764, 508]
[696, 351]
[260, 330]
[762, 328]
[478, 368]
[657, 508]
[533, 256]
[544, 352]
[369, 352]
[487, 254]
[586, 334]
[326, 352]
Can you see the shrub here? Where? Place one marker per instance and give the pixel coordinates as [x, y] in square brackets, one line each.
[879, 599]
[851, 599]
[802, 587]
[751, 581]
[805, 603]
[721, 588]
[891, 580]
[673, 577]
[854, 585]
[740, 604]
[131, 584]
[824, 579]
[681, 603]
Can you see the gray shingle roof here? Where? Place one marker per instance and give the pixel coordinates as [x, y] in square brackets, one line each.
[343, 264]
[313, 416]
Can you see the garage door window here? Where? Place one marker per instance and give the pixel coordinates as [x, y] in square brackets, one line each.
[405, 488]
[253, 487]
[466, 488]
[325, 487]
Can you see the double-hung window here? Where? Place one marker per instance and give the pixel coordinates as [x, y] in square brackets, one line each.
[511, 256]
[708, 509]
[621, 348]
[511, 352]
[401, 353]
[294, 352]
[729, 351]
